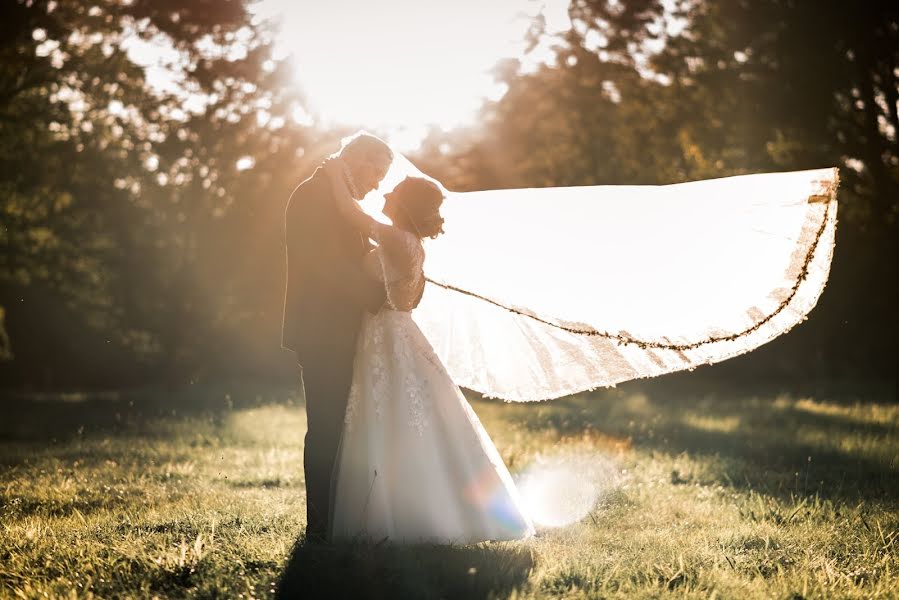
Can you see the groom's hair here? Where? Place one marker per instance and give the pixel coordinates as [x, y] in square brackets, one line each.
[367, 147]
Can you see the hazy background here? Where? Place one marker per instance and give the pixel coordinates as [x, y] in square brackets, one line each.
[148, 149]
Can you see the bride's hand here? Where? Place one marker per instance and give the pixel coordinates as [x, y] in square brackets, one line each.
[350, 210]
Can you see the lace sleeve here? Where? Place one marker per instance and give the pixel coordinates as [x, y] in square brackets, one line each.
[400, 259]
[403, 251]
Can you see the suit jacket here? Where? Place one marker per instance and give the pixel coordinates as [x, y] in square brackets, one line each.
[327, 289]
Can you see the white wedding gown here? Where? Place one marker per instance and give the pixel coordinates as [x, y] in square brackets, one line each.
[414, 463]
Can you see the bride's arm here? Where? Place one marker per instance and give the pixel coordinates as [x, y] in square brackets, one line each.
[349, 209]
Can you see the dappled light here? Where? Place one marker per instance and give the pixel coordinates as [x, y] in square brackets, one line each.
[417, 65]
[629, 189]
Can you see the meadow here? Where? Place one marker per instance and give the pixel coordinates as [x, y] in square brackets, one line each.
[700, 490]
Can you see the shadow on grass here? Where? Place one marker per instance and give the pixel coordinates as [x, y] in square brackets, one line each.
[63, 417]
[779, 448]
[391, 571]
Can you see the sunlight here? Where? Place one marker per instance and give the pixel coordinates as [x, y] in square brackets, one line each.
[563, 490]
[402, 67]
[725, 424]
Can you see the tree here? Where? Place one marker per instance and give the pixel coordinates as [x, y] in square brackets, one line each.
[121, 190]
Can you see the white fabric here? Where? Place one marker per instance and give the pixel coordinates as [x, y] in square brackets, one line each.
[539, 293]
[415, 464]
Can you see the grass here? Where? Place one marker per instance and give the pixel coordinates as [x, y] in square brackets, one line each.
[700, 492]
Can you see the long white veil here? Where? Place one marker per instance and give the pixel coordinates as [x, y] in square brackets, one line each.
[539, 293]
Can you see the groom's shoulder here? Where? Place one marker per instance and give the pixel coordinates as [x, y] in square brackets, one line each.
[315, 186]
[317, 183]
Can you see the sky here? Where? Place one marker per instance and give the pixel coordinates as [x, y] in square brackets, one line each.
[401, 66]
[395, 67]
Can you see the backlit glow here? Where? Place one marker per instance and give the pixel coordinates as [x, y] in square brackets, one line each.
[400, 67]
[563, 490]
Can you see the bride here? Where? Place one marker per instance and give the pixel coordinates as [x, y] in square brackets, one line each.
[414, 462]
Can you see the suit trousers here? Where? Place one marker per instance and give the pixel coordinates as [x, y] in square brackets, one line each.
[326, 382]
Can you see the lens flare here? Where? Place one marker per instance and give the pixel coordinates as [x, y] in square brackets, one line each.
[562, 490]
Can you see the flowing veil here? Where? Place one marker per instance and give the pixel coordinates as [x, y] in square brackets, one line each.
[539, 293]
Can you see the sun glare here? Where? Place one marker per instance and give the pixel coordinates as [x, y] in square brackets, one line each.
[400, 67]
[562, 490]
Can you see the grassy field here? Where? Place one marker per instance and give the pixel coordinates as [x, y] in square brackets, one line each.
[698, 492]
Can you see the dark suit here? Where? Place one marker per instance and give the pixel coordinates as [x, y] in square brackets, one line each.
[326, 295]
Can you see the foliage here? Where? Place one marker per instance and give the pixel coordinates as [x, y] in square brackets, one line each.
[142, 204]
[123, 201]
[811, 83]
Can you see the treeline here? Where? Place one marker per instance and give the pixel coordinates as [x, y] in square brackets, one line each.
[141, 224]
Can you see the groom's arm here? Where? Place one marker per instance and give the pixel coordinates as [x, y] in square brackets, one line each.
[347, 277]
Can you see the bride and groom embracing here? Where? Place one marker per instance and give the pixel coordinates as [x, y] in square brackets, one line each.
[393, 450]
[582, 287]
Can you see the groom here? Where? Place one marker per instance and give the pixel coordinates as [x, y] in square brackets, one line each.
[326, 295]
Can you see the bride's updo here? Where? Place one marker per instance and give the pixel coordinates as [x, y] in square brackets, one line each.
[415, 204]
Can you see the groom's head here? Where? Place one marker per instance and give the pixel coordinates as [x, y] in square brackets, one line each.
[368, 158]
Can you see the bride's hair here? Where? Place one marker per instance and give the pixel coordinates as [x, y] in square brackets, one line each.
[419, 200]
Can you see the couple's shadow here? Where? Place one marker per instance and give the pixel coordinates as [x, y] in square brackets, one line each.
[417, 571]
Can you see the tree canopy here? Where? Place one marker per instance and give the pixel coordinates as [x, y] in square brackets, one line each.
[148, 148]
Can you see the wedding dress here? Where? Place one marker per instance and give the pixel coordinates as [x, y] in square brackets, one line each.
[414, 463]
